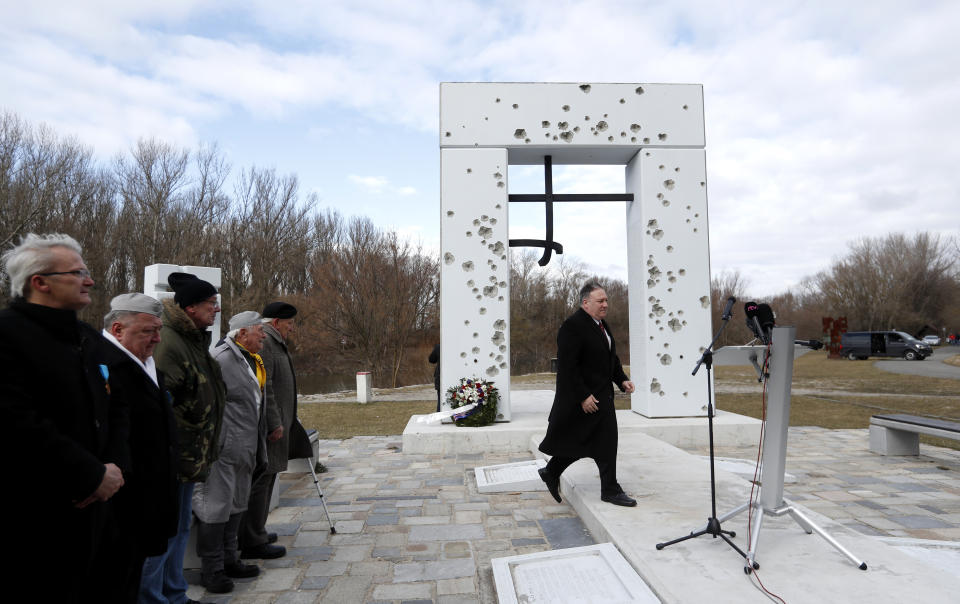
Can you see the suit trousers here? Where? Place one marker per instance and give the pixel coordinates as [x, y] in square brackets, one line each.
[607, 467]
[253, 527]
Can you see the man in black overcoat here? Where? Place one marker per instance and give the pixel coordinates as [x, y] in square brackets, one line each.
[147, 505]
[583, 421]
[64, 433]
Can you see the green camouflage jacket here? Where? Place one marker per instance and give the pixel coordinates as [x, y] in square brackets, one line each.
[199, 395]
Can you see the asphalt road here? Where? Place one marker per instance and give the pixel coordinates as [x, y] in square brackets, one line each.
[930, 367]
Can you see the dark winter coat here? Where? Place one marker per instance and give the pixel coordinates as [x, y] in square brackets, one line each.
[60, 424]
[147, 505]
[193, 379]
[281, 397]
[585, 366]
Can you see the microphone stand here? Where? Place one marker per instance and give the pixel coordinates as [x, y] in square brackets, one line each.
[713, 527]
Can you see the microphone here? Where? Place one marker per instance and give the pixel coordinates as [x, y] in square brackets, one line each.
[759, 319]
[766, 319]
[727, 311]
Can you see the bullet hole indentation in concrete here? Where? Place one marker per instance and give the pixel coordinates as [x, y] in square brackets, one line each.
[483, 310]
[503, 348]
[654, 272]
[682, 272]
[475, 291]
[498, 338]
[669, 184]
[705, 303]
[449, 213]
[516, 106]
[586, 118]
[493, 221]
[447, 134]
[633, 139]
[610, 138]
[544, 124]
[499, 358]
[493, 279]
[669, 249]
[639, 90]
[675, 324]
[469, 233]
[685, 107]
[499, 207]
[622, 101]
[520, 133]
[652, 224]
[634, 127]
[585, 87]
[646, 141]
[658, 234]
[467, 266]
[476, 335]
[566, 136]
[658, 310]
[490, 291]
[651, 283]
[448, 258]
[475, 350]
[666, 203]
[463, 355]
[623, 134]
[654, 386]
[576, 128]
[500, 184]
[485, 232]
[662, 136]
[666, 359]
[602, 126]
[492, 370]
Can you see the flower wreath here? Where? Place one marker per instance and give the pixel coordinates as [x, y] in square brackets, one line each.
[469, 391]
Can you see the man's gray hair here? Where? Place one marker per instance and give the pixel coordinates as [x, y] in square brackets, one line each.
[588, 288]
[33, 255]
[114, 316]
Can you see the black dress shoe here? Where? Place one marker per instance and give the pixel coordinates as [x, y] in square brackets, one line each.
[217, 583]
[553, 484]
[239, 570]
[265, 551]
[271, 537]
[619, 499]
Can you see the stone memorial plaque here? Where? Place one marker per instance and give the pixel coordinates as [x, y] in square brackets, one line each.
[581, 575]
[520, 476]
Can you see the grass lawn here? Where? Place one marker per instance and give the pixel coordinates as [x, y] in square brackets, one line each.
[845, 395]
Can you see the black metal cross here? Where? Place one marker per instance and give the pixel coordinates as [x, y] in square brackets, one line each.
[549, 245]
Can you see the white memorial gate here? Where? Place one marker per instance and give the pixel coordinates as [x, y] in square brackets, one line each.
[657, 132]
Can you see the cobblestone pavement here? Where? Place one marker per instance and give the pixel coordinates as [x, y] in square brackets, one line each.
[414, 529]
[410, 529]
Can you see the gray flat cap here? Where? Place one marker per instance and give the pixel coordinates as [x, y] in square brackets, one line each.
[247, 318]
[136, 303]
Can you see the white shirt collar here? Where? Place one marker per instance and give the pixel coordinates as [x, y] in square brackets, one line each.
[150, 367]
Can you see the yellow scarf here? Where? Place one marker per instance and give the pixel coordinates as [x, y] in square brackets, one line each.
[261, 370]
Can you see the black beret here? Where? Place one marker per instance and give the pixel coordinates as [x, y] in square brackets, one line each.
[189, 289]
[279, 310]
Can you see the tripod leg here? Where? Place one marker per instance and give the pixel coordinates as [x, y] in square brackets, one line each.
[754, 540]
[803, 520]
[733, 512]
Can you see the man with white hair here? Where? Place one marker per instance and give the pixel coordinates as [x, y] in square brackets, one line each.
[147, 506]
[64, 432]
[219, 502]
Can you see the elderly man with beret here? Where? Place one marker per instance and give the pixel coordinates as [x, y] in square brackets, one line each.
[220, 501]
[147, 505]
[194, 381]
[281, 413]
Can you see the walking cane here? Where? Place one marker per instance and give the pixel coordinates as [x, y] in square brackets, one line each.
[301, 447]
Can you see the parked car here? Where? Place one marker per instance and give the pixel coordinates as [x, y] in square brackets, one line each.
[932, 340]
[864, 344]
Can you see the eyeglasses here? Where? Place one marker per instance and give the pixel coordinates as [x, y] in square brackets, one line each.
[83, 274]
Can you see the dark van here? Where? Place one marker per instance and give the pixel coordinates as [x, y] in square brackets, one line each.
[864, 344]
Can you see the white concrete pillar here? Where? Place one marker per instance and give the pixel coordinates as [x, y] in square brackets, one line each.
[668, 253]
[475, 270]
[364, 387]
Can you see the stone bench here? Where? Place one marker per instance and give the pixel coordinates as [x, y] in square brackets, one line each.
[899, 434]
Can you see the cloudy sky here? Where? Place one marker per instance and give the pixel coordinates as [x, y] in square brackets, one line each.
[826, 121]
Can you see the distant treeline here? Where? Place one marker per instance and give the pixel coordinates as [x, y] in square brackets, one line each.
[369, 299]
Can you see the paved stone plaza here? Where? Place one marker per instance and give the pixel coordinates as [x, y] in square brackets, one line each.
[413, 528]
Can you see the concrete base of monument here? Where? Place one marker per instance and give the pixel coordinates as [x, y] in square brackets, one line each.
[672, 489]
[529, 410]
